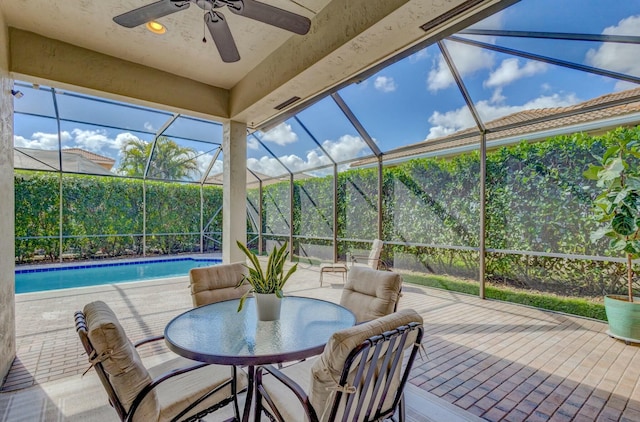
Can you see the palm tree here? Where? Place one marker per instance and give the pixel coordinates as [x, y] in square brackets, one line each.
[170, 160]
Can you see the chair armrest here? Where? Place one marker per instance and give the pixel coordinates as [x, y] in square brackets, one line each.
[147, 340]
[290, 384]
[382, 265]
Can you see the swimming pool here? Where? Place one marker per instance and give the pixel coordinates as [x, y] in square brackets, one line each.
[53, 278]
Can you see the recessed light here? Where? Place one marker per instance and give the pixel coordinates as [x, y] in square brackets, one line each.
[156, 27]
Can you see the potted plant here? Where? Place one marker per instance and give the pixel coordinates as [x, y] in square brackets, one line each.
[266, 285]
[618, 207]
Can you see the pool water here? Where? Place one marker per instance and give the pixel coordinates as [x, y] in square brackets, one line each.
[53, 278]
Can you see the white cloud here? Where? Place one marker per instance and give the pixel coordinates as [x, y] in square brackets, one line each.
[347, 146]
[266, 165]
[281, 135]
[449, 122]
[41, 140]
[497, 96]
[204, 159]
[467, 59]
[92, 140]
[121, 139]
[419, 56]
[148, 126]
[252, 143]
[96, 141]
[622, 58]
[624, 85]
[454, 120]
[385, 84]
[510, 70]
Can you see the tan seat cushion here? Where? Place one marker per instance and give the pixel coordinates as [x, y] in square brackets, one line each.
[217, 283]
[121, 360]
[370, 294]
[285, 401]
[180, 391]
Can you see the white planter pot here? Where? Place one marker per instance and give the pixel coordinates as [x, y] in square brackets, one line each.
[268, 306]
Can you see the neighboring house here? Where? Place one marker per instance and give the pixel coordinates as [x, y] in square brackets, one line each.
[73, 161]
[105, 162]
[595, 116]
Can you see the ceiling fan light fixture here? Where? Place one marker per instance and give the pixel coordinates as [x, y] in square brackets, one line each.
[156, 27]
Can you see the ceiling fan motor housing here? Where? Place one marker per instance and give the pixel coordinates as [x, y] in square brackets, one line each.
[215, 4]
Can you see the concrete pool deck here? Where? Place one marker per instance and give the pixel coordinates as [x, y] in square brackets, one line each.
[485, 359]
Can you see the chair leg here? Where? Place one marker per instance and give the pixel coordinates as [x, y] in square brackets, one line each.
[401, 409]
[234, 391]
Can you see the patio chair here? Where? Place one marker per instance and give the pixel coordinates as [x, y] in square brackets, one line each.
[372, 261]
[217, 283]
[370, 294]
[360, 376]
[175, 390]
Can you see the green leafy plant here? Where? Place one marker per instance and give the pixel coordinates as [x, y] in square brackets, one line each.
[270, 281]
[618, 204]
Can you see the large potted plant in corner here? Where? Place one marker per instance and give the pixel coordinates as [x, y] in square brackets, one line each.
[266, 285]
[618, 207]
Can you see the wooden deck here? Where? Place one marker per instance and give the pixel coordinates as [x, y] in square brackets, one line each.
[486, 360]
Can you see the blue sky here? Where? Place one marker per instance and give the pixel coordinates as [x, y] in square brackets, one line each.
[410, 101]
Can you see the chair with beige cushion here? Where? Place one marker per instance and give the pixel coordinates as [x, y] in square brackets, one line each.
[177, 389]
[370, 294]
[360, 376]
[217, 283]
[372, 261]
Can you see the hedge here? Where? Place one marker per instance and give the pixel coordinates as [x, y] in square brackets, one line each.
[538, 204]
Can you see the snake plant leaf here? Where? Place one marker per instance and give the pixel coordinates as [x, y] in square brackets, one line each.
[273, 278]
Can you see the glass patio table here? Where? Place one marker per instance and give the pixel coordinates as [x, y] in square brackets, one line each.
[218, 334]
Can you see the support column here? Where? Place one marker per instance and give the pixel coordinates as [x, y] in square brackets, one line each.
[234, 201]
[7, 246]
[483, 215]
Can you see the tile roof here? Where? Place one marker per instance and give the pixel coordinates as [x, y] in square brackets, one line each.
[96, 158]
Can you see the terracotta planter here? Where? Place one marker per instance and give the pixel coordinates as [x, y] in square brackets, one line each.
[623, 317]
[268, 306]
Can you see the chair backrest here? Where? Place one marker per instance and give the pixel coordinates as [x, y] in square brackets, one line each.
[370, 294]
[374, 255]
[360, 376]
[217, 283]
[116, 362]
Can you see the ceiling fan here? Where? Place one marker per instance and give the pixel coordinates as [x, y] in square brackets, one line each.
[216, 21]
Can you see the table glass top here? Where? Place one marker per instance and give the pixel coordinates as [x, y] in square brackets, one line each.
[217, 333]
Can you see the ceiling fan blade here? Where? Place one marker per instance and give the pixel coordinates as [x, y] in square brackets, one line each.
[222, 37]
[271, 15]
[150, 12]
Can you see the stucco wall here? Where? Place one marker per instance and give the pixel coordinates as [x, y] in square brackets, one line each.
[7, 296]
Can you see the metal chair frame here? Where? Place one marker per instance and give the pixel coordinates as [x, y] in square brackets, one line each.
[363, 359]
[114, 401]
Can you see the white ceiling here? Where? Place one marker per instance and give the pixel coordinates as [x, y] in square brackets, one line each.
[89, 24]
[346, 37]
